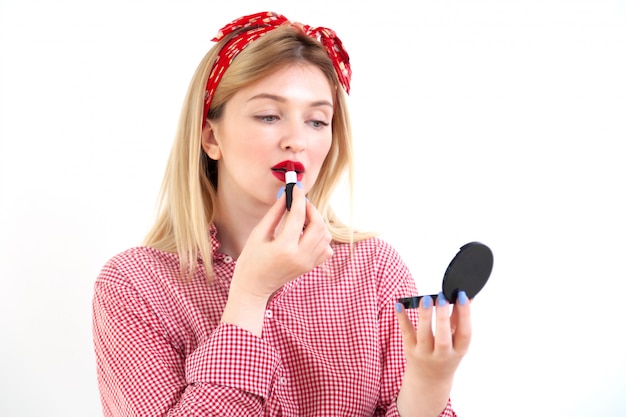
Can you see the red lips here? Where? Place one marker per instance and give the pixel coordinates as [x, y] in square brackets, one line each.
[280, 168]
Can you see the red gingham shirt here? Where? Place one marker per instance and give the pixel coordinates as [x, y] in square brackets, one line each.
[330, 343]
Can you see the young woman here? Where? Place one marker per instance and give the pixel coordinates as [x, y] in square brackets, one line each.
[238, 306]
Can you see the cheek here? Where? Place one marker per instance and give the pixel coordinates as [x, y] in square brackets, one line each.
[324, 148]
[319, 155]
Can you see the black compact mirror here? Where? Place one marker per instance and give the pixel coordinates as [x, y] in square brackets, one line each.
[468, 271]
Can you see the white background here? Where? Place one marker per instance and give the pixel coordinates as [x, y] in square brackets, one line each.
[498, 121]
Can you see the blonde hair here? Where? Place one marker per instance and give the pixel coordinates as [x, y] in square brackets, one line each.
[186, 206]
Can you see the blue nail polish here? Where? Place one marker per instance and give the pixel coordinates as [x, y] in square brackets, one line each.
[398, 307]
[441, 299]
[299, 185]
[427, 302]
[462, 298]
[280, 193]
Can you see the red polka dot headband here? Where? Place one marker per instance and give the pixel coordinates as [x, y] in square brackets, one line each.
[256, 26]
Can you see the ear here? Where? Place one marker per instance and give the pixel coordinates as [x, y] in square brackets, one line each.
[209, 142]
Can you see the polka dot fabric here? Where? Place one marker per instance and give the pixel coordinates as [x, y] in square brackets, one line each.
[254, 26]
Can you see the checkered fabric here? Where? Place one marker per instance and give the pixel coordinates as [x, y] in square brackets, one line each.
[330, 343]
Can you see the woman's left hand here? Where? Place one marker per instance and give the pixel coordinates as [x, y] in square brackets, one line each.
[433, 357]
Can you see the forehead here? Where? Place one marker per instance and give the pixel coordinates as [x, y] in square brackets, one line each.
[301, 78]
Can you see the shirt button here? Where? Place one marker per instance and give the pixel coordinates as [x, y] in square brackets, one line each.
[269, 314]
[282, 380]
[228, 259]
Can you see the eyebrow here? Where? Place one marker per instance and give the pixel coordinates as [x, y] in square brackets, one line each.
[283, 100]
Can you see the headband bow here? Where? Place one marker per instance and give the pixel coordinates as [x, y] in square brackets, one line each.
[256, 25]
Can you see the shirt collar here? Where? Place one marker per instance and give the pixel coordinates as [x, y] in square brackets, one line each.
[215, 243]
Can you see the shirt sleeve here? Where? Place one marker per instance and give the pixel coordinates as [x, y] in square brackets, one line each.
[395, 281]
[141, 372]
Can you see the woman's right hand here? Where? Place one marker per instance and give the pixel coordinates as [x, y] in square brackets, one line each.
[283, 246]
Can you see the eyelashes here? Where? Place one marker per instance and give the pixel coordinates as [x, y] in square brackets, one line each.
[267, 118]
[319, 123]
[271, 119]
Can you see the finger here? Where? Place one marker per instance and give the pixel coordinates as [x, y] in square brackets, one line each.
[462, 320]
[443, 332]
[315, 239]
[272, 218]
[425, 337]
[407, 330]
[316, 229]
[294, 221]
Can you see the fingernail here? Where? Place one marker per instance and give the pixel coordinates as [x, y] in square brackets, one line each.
[280, 193]
[462, 298]
[299, 185]
[441, 299]
[398, 307]
[427, 302]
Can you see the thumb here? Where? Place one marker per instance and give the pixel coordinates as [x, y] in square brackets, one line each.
[272, 218]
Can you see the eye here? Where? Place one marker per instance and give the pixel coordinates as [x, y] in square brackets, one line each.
[318, 124]
[267, 118]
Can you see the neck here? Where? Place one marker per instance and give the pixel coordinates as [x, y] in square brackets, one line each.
[234, 224]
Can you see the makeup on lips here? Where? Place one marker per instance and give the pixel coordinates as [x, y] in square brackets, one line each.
[291, 173]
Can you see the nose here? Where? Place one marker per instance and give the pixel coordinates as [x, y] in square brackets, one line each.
[294, 139]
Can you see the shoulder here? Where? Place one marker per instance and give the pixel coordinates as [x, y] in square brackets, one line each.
[138, 264]
[373, 257]
[373, 250]
[378, 265]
